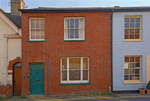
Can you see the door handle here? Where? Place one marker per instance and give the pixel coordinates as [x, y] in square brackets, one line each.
[14, 81]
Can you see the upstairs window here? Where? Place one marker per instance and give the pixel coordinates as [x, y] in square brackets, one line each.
[74, 28]
[37, 29]
[132, 27]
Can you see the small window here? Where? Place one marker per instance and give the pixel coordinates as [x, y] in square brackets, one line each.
[132, 68]
[74, 70]
[132, 25]
[74, 29]
[37, 29]
[17, 65]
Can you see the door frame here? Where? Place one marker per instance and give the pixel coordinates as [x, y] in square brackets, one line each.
[13, 75]
[30, 78]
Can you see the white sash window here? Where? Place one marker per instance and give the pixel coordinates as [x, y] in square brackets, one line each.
[74, 28]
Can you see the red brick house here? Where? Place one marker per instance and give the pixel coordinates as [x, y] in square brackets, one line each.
[66, 50]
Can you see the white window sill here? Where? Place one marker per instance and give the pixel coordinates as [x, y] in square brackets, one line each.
[133, 40]
[75, 83]
[132, 82]
[74, 40]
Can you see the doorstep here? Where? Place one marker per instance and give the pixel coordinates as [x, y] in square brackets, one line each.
[36, 96]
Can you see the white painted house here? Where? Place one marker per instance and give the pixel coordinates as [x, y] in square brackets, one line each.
[10, 47]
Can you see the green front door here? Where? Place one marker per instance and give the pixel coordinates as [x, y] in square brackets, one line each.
[36, 78]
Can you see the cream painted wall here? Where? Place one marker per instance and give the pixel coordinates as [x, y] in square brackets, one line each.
[14, 49]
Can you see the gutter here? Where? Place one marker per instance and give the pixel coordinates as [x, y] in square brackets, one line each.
[6, 61]
[47, 75]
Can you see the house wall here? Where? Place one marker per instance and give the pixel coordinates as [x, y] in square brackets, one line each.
[121, 48]
[97, 47]
[4, 29]
[14, 49]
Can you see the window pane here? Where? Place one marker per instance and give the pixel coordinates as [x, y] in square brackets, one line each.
[126, 77]
[38, 21]
[131, 59]
[127, 71]
[131, 20]
[126, 59]
[76, 33]
[137, 19]
[71, 23]
[85, 63]
[76, 23]
[126, 19]
[127, 31]
[131, 65]
[64, 75]
[81, 33]
[32, 23]
[137, 77]
[71, 33]
[137, 64]
[131, 25]
[42, 23]
[74, 63]
[137, 59]
[137, 72]
[126, 25]
[132, 71]
[38, 34]
[32, 34]
[81, 24]
[74, 75]
[131, 34]
[66, 23]
[85, 74]
[64, 63]
[131, 77]
[137, 36]
[42, 34]
[137, 25]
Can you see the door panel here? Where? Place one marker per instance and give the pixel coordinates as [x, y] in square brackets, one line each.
[37, 78]
[17, 81]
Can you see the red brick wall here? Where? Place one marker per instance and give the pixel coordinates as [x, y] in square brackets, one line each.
[6, 90]
[97, 47]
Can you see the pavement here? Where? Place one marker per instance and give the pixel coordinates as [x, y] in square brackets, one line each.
[117, 97]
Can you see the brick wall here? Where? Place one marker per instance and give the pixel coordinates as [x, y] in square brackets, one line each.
[6, 90]
[97, 47]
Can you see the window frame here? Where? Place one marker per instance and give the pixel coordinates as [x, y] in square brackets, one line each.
[74, 28]
[81, 74]
[140, 28]
[140, 69]
[35, 28]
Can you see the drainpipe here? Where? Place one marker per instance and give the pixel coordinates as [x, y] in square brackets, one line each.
[47, 75]
[112, 50]
[6, 61]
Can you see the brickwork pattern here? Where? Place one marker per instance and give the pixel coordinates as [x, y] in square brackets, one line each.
[97, 47]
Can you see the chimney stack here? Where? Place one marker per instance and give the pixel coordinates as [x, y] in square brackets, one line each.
[15, 5]
[116, 7]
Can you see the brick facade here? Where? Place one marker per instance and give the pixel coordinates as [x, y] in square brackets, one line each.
[97, 47]
[5, 90]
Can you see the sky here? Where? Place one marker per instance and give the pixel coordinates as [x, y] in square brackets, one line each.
[77, 3]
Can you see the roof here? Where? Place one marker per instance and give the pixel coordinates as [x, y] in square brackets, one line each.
[16, 19]
[66, 10]
[83, 9]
